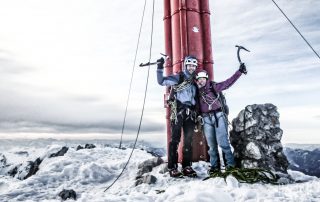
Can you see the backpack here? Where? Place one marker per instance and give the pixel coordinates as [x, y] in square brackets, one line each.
[222, 99]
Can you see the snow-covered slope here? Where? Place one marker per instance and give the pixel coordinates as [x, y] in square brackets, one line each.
[89, 171]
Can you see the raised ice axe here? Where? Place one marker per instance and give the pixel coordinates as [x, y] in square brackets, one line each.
[153, 63]
[238, 54]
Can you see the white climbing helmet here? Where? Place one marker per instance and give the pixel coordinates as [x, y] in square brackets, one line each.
[190, 60]
[202, 74]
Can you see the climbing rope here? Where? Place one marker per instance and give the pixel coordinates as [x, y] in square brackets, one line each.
[184, 85]
[296, 29]
[248, 175]
[134, 64]
[144, 101]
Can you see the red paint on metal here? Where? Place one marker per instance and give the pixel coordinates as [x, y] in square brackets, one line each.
[168, 64]
[176, 36]
[207, 49]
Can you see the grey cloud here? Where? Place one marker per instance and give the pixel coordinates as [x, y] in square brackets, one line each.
[10, 67]
[84, 98]
[25, 113]
[58, 127]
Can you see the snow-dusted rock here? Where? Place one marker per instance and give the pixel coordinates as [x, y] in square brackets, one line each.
[23, 170]
[79, 147]
[22, 153]
[89, 146]
[3, 161]
[28, 169]
[147, 179]
[256, 137]
[13, 170]
[148, 165]
[86, 146]
[60, 153]
[68, 194]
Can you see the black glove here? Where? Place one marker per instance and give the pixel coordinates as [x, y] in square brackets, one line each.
[243, 68]
[160, 63]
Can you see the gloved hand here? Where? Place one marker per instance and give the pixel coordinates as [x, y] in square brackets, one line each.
[160, 63]
[243, 68]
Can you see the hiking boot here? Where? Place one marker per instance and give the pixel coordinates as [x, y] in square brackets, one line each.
[174, 172]
[188, 171]
[214, 172]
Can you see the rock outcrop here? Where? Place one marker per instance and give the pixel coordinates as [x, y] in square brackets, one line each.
[60, 153]
[31, 169]
[146, 167]
[256, 137]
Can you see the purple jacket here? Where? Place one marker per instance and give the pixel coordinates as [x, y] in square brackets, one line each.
[207, 99]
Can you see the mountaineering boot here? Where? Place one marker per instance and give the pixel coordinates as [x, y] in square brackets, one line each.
[214, 172]
[174, 172]
[188, 171]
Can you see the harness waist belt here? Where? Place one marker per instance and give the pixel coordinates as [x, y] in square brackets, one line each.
[212, 113]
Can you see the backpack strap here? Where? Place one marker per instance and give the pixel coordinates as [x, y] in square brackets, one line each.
[222, 99]
[211, 86]
[181, 78]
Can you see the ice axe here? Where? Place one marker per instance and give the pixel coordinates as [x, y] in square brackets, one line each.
[153, 63]
[238, 54]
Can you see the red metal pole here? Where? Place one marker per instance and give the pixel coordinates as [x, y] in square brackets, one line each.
[207, 49]
[194, 30]
[168, 65]
[176, 36]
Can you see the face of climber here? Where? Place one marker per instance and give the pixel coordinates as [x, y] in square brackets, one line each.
[191, 68]
[201, 82]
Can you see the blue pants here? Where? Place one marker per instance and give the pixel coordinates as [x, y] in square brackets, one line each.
[217, 134]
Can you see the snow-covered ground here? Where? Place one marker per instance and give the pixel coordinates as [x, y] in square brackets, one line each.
[89, 171]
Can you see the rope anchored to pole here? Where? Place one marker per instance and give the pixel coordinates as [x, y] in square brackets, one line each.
[296, 29]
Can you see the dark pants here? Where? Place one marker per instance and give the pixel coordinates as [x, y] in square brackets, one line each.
[183, 121]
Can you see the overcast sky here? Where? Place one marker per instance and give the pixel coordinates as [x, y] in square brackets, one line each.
[65, 65]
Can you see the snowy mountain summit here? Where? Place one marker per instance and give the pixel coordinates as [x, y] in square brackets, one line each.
[89, 171]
